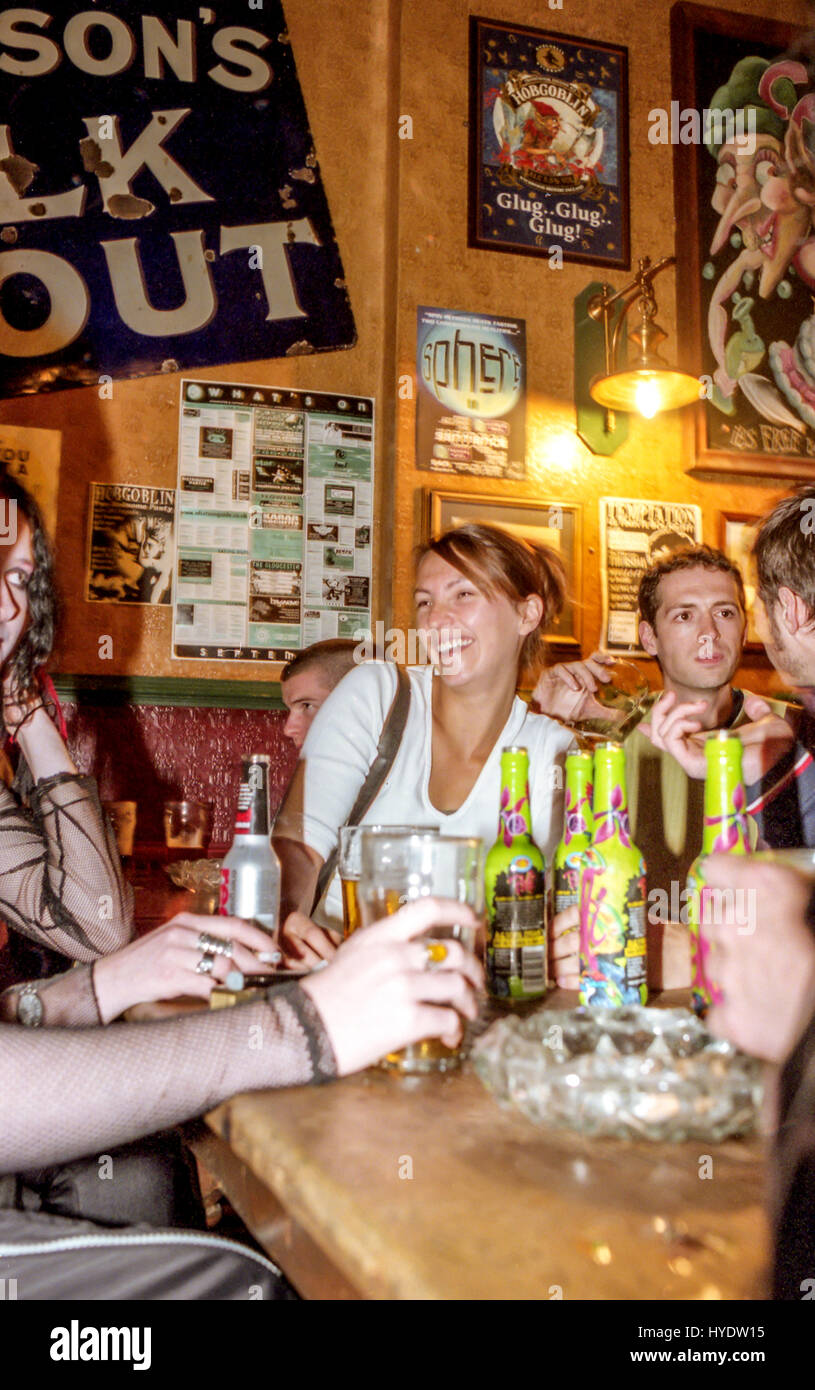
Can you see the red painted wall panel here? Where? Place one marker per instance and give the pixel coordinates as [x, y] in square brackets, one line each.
[154, 753]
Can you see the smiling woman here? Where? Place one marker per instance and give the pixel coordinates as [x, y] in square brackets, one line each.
[483, 600]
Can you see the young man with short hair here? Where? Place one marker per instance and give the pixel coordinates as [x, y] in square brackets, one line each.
[782, 770]
[767, 975]
[692, 620]
[309, 678]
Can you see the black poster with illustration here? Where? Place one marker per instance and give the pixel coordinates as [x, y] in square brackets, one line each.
[548, 145]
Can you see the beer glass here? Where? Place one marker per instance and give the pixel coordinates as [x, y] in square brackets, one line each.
[396, 869]
[349, 863]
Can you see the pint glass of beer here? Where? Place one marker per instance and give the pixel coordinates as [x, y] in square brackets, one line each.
[349, 863]
[396, 869]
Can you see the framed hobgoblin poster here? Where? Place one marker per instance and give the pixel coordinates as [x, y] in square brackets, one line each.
[548, 145]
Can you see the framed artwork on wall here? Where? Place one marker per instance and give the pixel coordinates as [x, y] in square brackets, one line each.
[548, 145]
[744, 186]
[556, 524]
[736, 535]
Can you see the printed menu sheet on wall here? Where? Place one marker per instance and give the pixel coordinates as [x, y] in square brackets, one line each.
[274, 520]
[636, 534]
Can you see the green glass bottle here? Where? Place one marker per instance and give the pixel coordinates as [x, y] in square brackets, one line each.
[613, 894]
[515, 891]
[577, 827]
[725, 831]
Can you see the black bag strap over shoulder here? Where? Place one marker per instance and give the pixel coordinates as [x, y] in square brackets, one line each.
[386, 750]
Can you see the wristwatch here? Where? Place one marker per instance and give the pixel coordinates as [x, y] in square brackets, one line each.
[29, 1007]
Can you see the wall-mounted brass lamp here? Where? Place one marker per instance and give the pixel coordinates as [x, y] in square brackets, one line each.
[646, 382]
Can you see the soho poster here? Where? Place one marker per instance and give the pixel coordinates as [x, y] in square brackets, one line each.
[548, 145]
[161, 205]
[471, 395]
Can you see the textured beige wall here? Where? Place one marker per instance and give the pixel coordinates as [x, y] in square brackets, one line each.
[437, 268]
[399, 210]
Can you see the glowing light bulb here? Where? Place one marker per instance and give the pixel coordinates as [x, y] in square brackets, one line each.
[647, 398]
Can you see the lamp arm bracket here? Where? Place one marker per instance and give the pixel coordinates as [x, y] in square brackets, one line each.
[639, 288]
[601, 303]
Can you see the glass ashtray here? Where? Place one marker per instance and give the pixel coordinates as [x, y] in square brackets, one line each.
[630, 1073]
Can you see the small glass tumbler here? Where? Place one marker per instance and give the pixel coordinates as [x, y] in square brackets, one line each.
[397, 869]
[122, 815]
[187, 826]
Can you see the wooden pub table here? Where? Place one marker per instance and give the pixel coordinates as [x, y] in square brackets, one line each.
[388, 1187]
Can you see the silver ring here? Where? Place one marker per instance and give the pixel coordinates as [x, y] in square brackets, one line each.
[204, 966]
[214, 945]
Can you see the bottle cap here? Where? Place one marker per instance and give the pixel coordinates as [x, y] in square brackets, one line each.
[720, 743]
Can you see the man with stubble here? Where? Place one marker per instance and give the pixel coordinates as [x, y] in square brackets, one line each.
[692, 620]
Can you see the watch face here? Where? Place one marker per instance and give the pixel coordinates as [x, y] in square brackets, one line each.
[29, 1009]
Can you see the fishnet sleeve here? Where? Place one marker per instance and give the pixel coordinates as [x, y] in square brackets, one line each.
[65, 1093]
[60, 875]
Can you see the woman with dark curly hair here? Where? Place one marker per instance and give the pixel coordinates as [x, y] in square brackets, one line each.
[60, 876]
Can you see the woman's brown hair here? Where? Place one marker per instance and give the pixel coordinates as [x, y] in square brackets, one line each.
[34, 647]
[501, 563]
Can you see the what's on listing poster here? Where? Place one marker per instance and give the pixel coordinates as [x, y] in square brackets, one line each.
[275, 516]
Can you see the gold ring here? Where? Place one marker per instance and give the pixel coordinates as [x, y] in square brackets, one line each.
[435, 952]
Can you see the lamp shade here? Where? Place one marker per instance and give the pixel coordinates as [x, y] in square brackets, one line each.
[645, 389]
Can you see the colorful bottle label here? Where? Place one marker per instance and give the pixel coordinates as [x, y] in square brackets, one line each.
[613, 947]
[515, 892]
[704, 990]
[613, 897]
[516, 958]
[577, 824]
[725, 831]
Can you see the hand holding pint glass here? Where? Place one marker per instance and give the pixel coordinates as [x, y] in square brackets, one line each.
[399, 868]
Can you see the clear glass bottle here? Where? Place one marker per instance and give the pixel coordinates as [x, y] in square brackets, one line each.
[250, 874]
